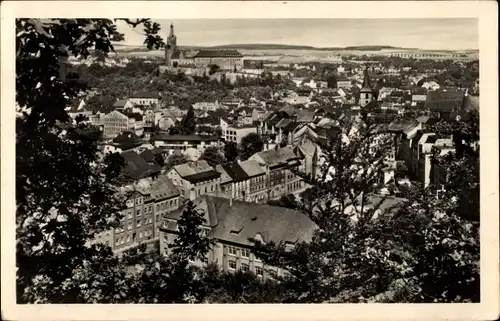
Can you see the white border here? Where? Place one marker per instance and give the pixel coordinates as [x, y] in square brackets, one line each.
[486, 11]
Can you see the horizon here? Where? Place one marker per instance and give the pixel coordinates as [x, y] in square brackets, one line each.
[415, 33]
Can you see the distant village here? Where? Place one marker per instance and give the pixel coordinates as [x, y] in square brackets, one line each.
[234, 195]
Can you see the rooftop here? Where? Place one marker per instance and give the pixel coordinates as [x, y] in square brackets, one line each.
[193, 168]
[183, 138]
[252, 168]
[146, 94]
[203, 176]
[205, 53]
[240, 222]
[136, 167]
[278, 156]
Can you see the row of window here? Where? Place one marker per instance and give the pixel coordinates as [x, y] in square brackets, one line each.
[166, 204]
[240, 252]
[127, 239]
[294, 186]
[246, 268]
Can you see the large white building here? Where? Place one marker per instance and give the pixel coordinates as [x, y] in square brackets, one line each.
[235, 133]
[116, 123]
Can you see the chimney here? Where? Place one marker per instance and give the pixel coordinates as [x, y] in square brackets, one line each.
[192, 194]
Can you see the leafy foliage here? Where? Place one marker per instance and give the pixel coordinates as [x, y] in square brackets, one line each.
[249, 145]
[287, 201]
[190, 244]
[212, 156]
[174, 160]
[231, 151]
[186, 126]
[59, 209]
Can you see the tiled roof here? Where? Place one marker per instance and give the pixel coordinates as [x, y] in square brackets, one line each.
[218, 53]
[127, 140]
[252, 168]
[120, 103]
[305, 116]
[402, 126]
[203, 176]
[283, 123]
[273, 223]
[289, 110]
[192, 168]
[240, 222]
[183, 138]
[438, 100]
[158, 188]
[149, 154]
[136, 167]
[235, 171]
[146, 94]
[278, 156]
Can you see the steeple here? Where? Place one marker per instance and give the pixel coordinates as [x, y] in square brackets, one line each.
[366, 92]
[171, 29]
[367, 84]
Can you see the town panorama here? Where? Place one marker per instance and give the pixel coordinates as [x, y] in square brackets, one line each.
[164, 173]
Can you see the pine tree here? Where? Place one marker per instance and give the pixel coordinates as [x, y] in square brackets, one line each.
[191, 243]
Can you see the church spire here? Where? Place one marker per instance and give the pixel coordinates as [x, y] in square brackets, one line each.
[171, 29]
[367, 84]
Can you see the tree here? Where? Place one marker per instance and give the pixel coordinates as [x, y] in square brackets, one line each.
[60, 209]
[348, 257]
[174, 160]
[249, 145]
[187, 126]
[230, 151]
[213, 69]
[212, 156]
[288, 201]
[331, 81]
[158, 159]
[191, 243]
[401, 169]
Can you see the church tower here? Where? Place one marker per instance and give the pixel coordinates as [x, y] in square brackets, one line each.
[170, 47]
[366, 93]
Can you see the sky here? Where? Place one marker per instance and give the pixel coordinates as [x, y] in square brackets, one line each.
[445, 34]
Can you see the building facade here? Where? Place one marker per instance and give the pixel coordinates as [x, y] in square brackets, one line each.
[235, 133]
[236, 227]
[147, 202]
[197, 176]
[280, 179]
[225, 59]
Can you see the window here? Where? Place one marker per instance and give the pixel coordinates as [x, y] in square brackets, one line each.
[232, 265]
[140, 235]
[157, 207]
[231, 250]
[139, 223]
[138, 212]
[273, 274]
[245, 253]
[129, 226]
[259, 271]
[245, 267]
[129, 214]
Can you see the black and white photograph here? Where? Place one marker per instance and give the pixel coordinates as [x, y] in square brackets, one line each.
[252, 160]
